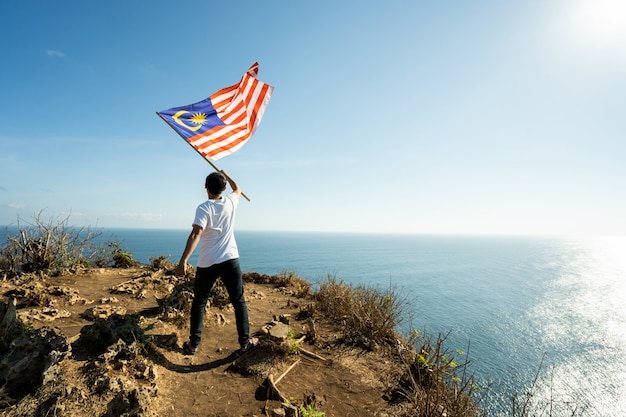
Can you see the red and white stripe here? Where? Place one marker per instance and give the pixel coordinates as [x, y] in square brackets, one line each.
[240, 107]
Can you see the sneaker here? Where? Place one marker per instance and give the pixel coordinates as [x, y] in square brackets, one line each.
[251, 343]
[188, 349]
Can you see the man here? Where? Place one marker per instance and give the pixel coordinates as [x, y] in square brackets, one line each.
[213, 228]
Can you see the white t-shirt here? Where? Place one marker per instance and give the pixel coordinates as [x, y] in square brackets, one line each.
[217, 219]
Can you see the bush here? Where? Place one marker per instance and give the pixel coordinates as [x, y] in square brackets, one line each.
[368, 316]
[429, 380]
[434, 381]
[301, 287]
[54, 245]
[121, 258]
[162, 262]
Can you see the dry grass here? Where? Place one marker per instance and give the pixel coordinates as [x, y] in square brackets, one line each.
[367, 316]
[298, 286]
[429, 380]
[162, 262]
[436, 381]
[55, 247]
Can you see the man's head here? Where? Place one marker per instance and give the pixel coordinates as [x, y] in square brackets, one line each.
[215, 183]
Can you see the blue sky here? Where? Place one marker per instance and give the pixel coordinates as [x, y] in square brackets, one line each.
[482, 117]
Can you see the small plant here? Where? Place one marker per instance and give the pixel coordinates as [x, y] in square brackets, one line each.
[293, 344]
[121, 257]
[310, 411]
[146, 348]
[309, 407]
[161, 262]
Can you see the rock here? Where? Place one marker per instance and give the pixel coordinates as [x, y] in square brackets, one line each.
[279, 331]
[220, 319]
[284, 318]
[165, 340]
[102, 312]
[96, 338]
[178, 303]
[44, 314]
[152, 373]
[30, 358]
[9, 315]
[135, 403]
[257, 295]
[278, 412]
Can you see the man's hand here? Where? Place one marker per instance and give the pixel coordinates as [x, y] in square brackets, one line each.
[192, 242]
[181, 270]
[233, 184]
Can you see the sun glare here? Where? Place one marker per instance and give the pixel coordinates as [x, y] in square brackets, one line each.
[599, 23]
[609, 263]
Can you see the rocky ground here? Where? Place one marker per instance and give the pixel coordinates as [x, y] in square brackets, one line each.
[108, 343]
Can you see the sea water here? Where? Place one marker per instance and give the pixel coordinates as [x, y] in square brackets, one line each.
[524, 309]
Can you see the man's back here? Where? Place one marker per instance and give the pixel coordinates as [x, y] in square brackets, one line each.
[217, 220]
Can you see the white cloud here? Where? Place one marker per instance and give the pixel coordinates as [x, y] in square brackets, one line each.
[54, 53]
[137, 216]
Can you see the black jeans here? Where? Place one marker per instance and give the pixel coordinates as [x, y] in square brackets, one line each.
[230, 272]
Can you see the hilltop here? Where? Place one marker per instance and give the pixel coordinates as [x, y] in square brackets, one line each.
[95, 374]
[116, 337]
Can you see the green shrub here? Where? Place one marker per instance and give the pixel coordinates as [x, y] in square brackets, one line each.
[121, 258]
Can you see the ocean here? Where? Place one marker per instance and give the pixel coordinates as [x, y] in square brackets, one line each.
[518, 306]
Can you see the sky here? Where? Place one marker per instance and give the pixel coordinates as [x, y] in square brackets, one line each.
[456, 117]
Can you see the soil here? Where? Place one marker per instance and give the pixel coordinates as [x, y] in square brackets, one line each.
[216, 381]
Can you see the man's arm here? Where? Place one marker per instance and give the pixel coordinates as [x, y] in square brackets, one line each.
[190, 246]
[232, 183]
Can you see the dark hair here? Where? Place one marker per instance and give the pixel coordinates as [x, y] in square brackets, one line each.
[215, 182]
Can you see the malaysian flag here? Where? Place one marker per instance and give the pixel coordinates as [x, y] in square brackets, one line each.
[222, 123]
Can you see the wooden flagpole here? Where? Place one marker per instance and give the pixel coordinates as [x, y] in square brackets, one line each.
[200, 153]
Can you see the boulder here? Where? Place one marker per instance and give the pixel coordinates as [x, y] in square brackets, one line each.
[96, 338]
[30, 357]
